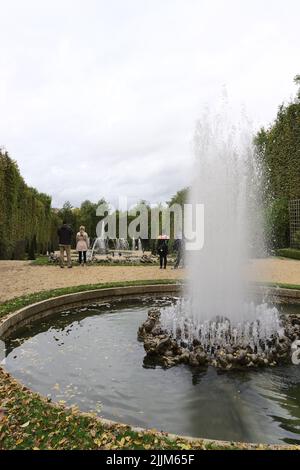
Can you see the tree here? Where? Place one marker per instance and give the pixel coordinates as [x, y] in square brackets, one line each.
[297, 81]
[88, 216]
[181, 197]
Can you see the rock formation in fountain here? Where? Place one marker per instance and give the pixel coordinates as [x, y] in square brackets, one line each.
[167, 350]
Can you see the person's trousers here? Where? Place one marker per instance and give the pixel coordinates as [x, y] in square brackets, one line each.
[82, 254]
[163, 260]
[178, 259]
[63, 249]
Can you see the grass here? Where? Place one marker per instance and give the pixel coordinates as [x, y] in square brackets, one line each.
[29, 421]
[41, 261]
[291, 253]
[277, 284]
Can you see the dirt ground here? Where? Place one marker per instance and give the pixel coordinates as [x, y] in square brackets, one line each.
[19, 277]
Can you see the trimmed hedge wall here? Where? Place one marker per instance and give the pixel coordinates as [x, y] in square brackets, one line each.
[27, 222]
[278, 148]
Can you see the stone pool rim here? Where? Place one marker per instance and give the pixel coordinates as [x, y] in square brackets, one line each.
[48, 307]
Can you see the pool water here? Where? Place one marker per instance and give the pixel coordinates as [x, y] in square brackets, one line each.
[90, 357]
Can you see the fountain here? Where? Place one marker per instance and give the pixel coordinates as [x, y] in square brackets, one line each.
[121, 244]
[218, 322]
[133, 244]
[99, 245]
[215, 323]
[140, 246]
[252, 405]
[225, 182]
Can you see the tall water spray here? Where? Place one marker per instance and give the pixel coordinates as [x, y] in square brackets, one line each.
[227, 182]
[223, 182]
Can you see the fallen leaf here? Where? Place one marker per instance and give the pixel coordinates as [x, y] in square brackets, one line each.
[25, 424]
[98, 442]
[3, 413]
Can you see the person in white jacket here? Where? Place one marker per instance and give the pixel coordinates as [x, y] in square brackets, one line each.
[82, 245]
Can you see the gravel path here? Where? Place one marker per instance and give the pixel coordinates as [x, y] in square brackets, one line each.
[19, 277]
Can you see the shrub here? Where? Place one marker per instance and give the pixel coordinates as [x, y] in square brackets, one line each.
[288, 253]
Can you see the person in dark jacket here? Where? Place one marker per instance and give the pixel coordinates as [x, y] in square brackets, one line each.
[162, 250]
[65, 233]
[178, 248]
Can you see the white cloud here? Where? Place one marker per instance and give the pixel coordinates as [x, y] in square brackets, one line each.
[100, 98]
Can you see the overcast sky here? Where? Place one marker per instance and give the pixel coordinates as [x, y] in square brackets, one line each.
[100, 97]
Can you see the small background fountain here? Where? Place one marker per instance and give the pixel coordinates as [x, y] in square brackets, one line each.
[121, 251]
[99, 245]
[121, 244]
[133, 244]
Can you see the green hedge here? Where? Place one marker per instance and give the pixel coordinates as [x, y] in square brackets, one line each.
[278, 148]
[27, 223]
[288, 253]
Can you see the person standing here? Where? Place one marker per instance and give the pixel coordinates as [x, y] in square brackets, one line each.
[162, 249]
[65, 233]
[82, 245]
[178, 248]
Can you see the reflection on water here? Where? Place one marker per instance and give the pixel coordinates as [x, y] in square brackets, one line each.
[91, 357]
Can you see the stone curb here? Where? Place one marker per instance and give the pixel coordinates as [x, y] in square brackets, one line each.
[46, 308]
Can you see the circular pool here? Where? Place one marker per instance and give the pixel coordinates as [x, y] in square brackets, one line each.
[89, 356]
